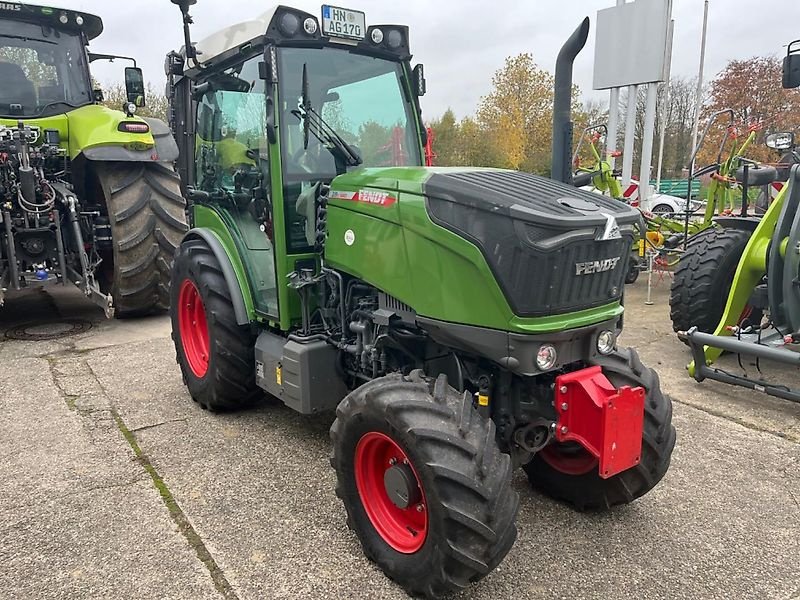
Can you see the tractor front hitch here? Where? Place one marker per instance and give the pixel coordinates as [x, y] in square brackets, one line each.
[608, 422]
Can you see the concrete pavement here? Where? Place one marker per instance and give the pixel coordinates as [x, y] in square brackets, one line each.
[113, 484]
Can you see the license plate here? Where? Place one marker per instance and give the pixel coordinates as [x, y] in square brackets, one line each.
[343, 23]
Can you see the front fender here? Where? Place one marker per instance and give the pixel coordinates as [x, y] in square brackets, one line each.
[228, 271]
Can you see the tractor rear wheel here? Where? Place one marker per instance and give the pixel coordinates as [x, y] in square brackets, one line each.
[148, 220]
[424, 483]
[704, 277]
[215, 354]
[569, 473]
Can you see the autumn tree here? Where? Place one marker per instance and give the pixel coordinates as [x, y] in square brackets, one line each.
[752, 88]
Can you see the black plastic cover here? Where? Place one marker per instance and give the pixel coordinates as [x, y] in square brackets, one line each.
[553, 248]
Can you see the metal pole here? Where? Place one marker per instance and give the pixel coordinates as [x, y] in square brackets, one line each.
[630, 130]
[665, 107]
[613, 125]
[647, 142]
[649, 300]
[613, 120]
[700, 77]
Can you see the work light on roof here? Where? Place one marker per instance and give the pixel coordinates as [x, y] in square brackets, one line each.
[64, 18]
[289, 24]
[394, 39]
[310, 26]
[377, 36]
[79, 20]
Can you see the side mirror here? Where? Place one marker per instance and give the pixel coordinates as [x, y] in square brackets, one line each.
[791, 66]
[782, 140]
[419, 80]
[134, 86]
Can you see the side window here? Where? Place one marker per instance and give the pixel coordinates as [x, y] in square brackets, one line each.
[231, 145]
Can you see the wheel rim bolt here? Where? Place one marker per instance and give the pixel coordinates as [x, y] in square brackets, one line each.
[564, 429]
[420, 507]
[392, 461]
[564, 406]
[563, 389]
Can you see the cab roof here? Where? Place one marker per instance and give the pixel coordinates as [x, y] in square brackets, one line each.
[233, 36]
[61, 19]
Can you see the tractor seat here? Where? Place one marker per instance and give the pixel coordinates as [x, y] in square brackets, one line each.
[16, 88]
[757, 175]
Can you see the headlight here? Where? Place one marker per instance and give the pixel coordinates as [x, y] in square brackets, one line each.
[546, 357]
[606, 341]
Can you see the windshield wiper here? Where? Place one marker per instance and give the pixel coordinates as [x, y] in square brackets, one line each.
[314, 123]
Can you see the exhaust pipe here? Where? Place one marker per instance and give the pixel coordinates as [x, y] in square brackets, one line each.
[560, 169]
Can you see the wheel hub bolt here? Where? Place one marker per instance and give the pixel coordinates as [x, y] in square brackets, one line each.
[392, 461]
[420, 507]
[563, 389]
[564, 429]
[564, 406]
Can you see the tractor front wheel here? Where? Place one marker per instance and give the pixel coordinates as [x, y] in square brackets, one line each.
[569, 473]
[424, 483]
[215, 354]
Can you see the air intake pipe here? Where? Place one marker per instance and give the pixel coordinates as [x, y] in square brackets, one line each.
[562, 103]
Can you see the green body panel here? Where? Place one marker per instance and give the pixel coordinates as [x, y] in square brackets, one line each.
[246, 254]
[397, 248]
[752, 268]
[90, 126]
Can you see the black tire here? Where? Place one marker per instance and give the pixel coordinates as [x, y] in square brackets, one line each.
[703, 278]
[148, 221]
[229, 383]
[633, 270]
[588, 491]
[465, 478]
[663, 210]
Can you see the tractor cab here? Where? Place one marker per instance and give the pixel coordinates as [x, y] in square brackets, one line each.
[43, 62]
[279, 107]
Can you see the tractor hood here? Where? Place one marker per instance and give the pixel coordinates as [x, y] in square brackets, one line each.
[550, 248]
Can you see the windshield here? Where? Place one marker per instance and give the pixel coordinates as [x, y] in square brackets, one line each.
[42, 70]
[360, 97]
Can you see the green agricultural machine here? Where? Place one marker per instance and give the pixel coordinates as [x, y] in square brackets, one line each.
[736, 286]
[88, 195]
[461, 322]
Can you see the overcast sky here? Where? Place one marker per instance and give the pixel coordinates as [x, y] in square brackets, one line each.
[461, 42]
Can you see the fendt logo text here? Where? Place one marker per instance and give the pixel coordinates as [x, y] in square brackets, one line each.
[595, 266]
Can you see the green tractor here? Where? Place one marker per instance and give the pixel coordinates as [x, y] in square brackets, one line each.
[88, 195]
[738, 283]
[461, 322]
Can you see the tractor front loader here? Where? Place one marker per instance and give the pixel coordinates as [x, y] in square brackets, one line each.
[755, 265]
[460, 321]
[88, 195]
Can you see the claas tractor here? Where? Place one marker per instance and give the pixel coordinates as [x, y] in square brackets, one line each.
[460, 321]
[752, 265]
[88, 195]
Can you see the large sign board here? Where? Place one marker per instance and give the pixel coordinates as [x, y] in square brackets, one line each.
[631, 44]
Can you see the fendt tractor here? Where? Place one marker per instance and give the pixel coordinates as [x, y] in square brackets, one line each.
[88, 195]
[462, 322]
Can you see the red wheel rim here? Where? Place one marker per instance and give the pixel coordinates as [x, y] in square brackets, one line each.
[193, 328]
[404, 529]
[570, 459]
